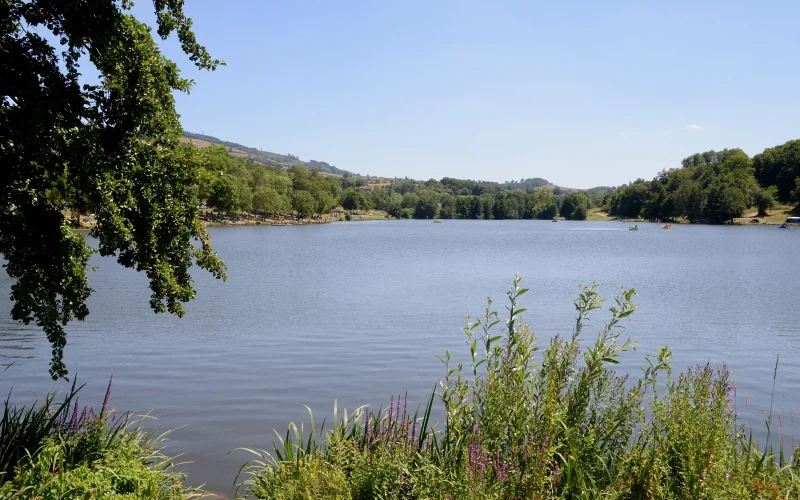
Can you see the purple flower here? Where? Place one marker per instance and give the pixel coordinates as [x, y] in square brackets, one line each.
[84, 415]
[728, 475]
[397, 413]
[405, 411]
[391, 407]
[73, 422]
[500, 468]
[368, 433]
[107, 398]
[477, 459]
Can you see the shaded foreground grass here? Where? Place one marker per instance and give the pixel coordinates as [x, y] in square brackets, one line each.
[529, 422]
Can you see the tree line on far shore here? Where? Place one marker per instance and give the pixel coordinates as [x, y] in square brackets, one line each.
[466, 199]
[712, 187]
[232, 185]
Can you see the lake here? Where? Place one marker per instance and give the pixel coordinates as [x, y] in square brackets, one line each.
[356, 312]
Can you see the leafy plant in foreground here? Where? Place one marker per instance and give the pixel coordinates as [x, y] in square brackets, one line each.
[525, 422]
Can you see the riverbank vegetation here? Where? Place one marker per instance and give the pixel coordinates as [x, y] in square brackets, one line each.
[63, 450]
[523, 421]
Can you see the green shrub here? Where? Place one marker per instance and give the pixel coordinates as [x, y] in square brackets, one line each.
[87, 466]
[62, 451]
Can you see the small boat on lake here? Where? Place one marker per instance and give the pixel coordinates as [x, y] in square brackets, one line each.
[437, 221]
[785, 225]
[635, 227]
[666, 226]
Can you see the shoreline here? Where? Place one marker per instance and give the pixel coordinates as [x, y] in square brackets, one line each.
[625, 221]
[740, 221]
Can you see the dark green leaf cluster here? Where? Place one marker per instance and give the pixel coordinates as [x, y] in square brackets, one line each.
[467, 199]
[713, 187]
[110, 149]
[780, 167]
[232, 185]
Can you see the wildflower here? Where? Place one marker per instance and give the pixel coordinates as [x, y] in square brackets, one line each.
[368, 433]
[728, 475]
[405, 412]
[107, 398]
[83, 417]
[73, 422]
[391, 407]
[500, 468]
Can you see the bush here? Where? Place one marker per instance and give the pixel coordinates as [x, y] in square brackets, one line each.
[521, 422]
[62, 451]
[88, 465]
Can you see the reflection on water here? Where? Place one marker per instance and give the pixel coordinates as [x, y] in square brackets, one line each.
[16, 343]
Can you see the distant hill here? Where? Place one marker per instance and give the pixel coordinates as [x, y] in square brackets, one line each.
[287, 161]
[264, 157]
[525, 184]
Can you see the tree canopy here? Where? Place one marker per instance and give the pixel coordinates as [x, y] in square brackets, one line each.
[780, 167]
[712, 187]
[109, 148]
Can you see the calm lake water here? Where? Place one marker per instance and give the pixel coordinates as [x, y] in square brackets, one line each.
[356, 312]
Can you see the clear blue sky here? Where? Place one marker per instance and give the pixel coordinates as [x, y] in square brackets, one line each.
[582, 94]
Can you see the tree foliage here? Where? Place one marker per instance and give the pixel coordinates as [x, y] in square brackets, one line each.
[712, 187]
[780, 167]
[303, 203]
[356, 199]
[238, 185]
[109, 148]
[575, 206]
[467, 199]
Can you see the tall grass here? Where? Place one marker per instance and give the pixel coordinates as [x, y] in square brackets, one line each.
[523, 421]
[23, 429]
[62, 450]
